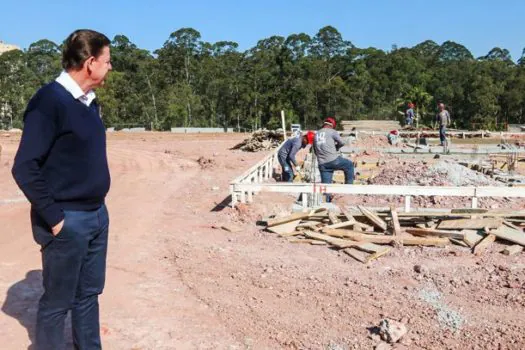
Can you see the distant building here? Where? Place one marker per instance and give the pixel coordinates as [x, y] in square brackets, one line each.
[7, 47]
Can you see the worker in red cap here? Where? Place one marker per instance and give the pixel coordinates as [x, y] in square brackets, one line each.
[288, 151]
[327, 143]
[410, 115]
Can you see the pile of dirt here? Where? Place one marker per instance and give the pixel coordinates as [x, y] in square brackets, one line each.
[373, 141]
[443, 173]
[408, 173]
[459, 175]
[261, 140]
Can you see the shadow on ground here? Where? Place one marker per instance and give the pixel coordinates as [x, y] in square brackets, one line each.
[21, 301]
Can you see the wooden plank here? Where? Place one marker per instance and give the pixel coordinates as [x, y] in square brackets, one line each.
[333, 218]
[357, 254]
[284, 228]
[387, 239]
[376, 220]
[370, 247]
[472, 237]
[431, 224]
[289, 218]
[469, 224]
[519, 221]
[395, 221]
[509, 234]
[360, 236]
[459, 242]
[363, 227]
[435, 233]
[311, 225]
[306, 240]
[484, 244]
[513, 250]
[337, 242]
[511, 225]
[489, 213]
[469, 211]
[348, 216]
[343, 243]
[340, 225]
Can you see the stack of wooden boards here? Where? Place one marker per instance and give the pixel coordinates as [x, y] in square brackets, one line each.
[366, 234]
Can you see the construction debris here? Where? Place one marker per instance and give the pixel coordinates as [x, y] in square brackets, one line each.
[261, 140]
[350, 232]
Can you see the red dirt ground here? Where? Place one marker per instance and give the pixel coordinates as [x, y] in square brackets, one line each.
[175, 282]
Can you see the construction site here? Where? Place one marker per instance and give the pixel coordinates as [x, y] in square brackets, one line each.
[423, 251]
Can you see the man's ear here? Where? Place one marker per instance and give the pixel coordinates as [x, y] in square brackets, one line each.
[88, 63]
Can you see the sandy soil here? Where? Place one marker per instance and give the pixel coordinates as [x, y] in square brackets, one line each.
[175, 280]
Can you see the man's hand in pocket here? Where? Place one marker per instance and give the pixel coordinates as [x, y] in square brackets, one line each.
[57, 228]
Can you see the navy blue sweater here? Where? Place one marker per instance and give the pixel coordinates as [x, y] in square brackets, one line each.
[61, 163]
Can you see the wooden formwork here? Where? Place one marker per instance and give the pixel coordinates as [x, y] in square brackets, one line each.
[256, 178]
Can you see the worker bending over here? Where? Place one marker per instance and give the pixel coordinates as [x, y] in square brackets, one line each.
[288, 151]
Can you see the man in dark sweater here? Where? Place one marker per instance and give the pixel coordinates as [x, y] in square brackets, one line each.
[61, 166]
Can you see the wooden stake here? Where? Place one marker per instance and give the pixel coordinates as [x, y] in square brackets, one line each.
[376, 220]
[484, 244]
[395, 220]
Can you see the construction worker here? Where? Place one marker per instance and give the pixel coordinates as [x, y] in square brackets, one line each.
[410, 115]
[443, 120]
[287, 153]
[327, 143]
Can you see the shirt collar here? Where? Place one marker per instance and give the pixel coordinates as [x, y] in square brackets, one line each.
[74, 89]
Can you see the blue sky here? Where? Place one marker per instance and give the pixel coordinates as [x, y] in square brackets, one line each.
[478, 24]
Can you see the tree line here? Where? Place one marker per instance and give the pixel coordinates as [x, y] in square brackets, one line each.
[190, 82]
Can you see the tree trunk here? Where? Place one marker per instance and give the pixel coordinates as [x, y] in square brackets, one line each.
[154, 102]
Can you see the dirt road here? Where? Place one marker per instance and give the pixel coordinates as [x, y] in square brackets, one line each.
[175, 282]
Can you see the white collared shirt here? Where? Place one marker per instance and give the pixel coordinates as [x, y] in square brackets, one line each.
[71, 85]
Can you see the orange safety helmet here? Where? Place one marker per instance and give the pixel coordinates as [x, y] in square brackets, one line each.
[330, 121]
[310, 137]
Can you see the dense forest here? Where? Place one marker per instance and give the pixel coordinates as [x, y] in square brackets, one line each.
[190, 82]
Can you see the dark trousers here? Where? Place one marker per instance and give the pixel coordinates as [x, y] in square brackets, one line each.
[74, 269]
[287, 173]
[442, 134]
[340, 163]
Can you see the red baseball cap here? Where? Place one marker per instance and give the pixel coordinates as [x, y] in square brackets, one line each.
[330, 121]
[310, 137]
